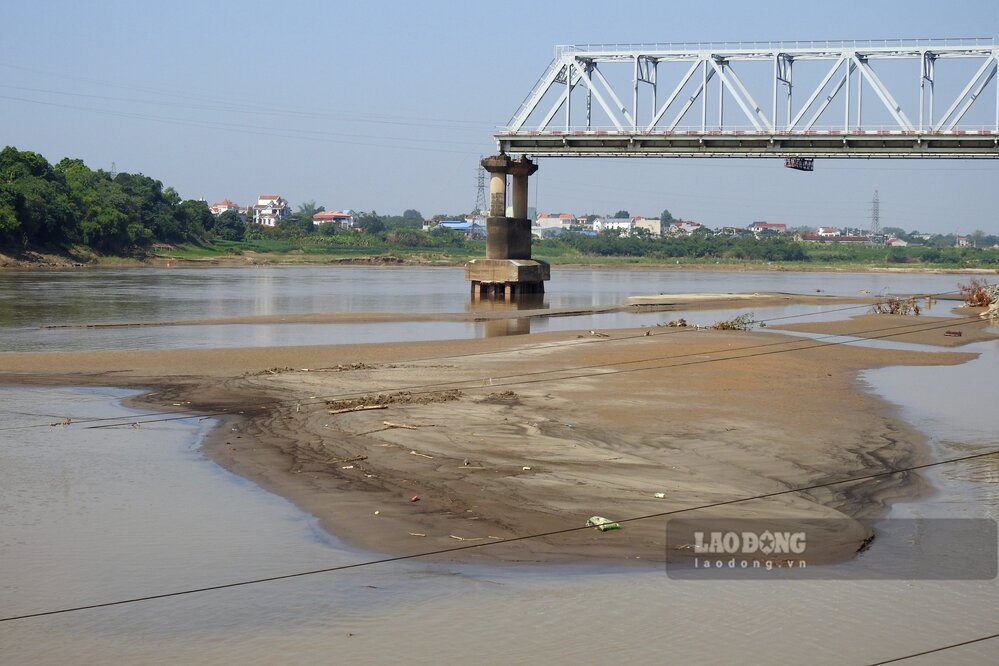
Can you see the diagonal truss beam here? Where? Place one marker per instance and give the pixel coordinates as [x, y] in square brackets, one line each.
[850, 67]
[585, 78]
[964, 93]
[882, 92]
[617, 101]
[672, 98]
[815, 94]
[563, 96]
[742, 96]
[690, 102]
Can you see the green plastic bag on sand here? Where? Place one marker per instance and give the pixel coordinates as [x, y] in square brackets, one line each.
[602, 524]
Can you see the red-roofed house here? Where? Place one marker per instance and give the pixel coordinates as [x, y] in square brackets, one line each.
[222, 206]
[336, 217]
[759, 227]
[682, 227]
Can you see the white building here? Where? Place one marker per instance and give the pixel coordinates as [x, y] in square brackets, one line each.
[563, 221]
[624, 225]
[269, 209]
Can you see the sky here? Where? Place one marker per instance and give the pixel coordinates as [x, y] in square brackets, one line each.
[388, 106]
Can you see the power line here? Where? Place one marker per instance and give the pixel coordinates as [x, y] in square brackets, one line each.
[454, 549]
[935, 650]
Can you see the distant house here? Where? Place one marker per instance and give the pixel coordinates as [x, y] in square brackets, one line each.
[730, 231]
[895, 241]
[222, 206]
[682, 228]
[557, 220]
[269, 209]
[854, 240]
[767, 227]
[651, 224]
[625, 226]
[828, 232]
[338, 218]
[469, 229]
[962, 241]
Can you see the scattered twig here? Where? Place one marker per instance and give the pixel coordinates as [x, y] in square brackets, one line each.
[389, 424]
[351, 459]
[422, 455]
[465, 538]
[359, 408]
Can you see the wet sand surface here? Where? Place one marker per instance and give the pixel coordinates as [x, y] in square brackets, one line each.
[600, 423]
[965, 329]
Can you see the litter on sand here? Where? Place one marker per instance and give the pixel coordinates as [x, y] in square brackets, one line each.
[602, 523]
[659, 495]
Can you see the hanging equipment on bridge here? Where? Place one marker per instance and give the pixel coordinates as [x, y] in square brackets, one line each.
[800, 163]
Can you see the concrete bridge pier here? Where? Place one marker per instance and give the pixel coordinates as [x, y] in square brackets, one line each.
[508, 269]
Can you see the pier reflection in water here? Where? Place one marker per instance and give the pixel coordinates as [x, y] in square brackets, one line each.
[496, 325]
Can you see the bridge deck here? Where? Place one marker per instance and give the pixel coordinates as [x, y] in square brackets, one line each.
[739, 143]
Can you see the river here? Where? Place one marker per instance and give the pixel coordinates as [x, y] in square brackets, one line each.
[90, 516]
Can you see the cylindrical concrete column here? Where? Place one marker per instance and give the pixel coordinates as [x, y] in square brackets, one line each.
[497, 166]
[519, 195]
[497, 194]
[520, 170]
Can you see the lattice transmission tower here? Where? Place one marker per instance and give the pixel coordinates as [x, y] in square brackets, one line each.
[480, 195]
[876, 214]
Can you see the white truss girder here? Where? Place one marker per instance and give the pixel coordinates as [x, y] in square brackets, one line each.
[599, 73]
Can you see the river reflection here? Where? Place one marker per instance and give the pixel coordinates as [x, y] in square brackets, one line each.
[498, 327]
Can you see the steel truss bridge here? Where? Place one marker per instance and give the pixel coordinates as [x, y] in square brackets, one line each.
[819, 99]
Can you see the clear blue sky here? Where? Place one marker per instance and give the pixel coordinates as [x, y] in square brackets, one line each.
[388, 105]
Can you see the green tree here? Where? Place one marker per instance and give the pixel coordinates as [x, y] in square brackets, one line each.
[230, 226]
[412, 214]
[370, 223]
[665, 217]
[621, 215]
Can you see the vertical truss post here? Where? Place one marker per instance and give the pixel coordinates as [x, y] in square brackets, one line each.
[860, 98]
[634, 98]
[846, 98]
[773, 115]
[784, 74]
[704, 94]
[655, 84]
[568, 96]
[721, 94]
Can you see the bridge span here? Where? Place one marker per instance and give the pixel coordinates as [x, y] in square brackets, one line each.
[819, 99]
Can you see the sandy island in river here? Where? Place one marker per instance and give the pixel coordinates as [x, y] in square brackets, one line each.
[502, 437]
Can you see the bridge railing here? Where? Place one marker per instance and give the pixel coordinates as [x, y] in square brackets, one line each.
[927, 42]
[984, 130]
